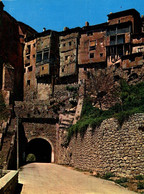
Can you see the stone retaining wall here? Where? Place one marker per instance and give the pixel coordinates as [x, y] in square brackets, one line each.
[109, 148]
[9, 182]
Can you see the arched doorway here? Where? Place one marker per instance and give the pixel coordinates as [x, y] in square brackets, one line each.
[38, 150]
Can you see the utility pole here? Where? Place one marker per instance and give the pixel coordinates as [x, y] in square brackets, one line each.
[17, 143]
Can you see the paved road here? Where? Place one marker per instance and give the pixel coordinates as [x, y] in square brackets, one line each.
[42, 178]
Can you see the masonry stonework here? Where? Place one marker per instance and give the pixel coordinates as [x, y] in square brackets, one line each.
[109, 148]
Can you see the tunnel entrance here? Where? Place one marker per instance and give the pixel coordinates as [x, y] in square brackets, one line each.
[38, 150]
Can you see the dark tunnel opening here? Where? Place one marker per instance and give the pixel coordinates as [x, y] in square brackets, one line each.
[38, 150]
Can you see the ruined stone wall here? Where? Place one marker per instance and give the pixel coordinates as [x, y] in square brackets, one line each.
[107, 148]
[44, 91]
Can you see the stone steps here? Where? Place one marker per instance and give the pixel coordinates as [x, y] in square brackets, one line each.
[66, 121]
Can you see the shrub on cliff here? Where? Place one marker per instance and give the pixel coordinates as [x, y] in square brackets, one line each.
[131, 101]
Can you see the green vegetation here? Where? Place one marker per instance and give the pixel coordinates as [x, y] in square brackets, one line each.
[121, 180]
[139, 177]
[131, 100]
[30, 158]
[72, 88]
[140, 185]
[108, 175]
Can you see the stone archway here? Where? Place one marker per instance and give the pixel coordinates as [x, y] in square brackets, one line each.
[40, 149]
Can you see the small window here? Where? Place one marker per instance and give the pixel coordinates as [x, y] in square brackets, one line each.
[28, 49]
[30, 68]
[119, 21]
[92, 45]
[90, 33]
[64, 45]
[42, 68]
[140, 49]
[101, 54]
[27, 64]
[28, 56]
[39, 57]
[46, 53]
[70, 43]
[33, 56]
[66, 57]
[34, 45]
[28, 82]
[62, 69]
[112, 40]
[91, 55]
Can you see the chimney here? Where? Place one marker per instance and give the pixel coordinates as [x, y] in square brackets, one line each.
[1, 5]
[44, 29]
[65, 28]
[86, 23]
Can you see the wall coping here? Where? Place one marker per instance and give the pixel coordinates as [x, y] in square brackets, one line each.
[7, 178]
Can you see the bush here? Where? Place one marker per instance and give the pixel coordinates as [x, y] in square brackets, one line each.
[108, 175]
[140, 185]
[139, 177]
[121, 180]
[71, 88]
[30, 158]
[132, 101]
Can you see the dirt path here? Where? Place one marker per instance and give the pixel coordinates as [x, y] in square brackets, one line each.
[40, 178]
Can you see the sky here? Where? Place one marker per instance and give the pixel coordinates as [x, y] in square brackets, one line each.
[57, 14]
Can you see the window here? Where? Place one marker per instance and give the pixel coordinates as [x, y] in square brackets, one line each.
[92, 45]
[91, 55]
[27, 64]
[66, 57]
[33, 56]
[70, 43]
[111, 31]
[64, 45]
[30, 68]
[46, 53]
[112, 40]
[62, 69]
[28, 49]
[101, 54]
[34, 45]
[42, 68]
[90, 33]
[123, 30]
[121, 39]
[28, 56]
[140, 49]
[28, 82]
[39, 57]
